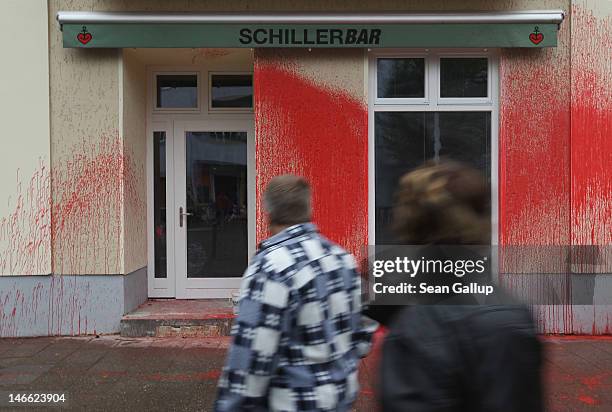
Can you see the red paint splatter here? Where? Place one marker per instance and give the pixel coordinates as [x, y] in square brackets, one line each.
[83, 224]
[534, 173]
[555, 157]
[589, 400]
[307, 129]
[592, 130]
[91, 189]
[213, 53]
[25, 233]
[593, 382]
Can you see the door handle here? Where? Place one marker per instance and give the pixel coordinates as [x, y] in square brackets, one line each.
[181, 215]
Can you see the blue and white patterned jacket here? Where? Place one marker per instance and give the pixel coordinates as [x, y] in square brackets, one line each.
[299, 333]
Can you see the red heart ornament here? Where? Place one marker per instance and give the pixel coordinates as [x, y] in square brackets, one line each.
[536, 38]
[84, 38]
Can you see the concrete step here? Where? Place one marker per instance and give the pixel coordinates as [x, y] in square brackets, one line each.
[179, 318]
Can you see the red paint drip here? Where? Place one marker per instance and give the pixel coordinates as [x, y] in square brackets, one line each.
[91, 188]
[591, 129]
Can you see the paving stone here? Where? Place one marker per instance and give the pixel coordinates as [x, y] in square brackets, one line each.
[27, 348]
[21, 374]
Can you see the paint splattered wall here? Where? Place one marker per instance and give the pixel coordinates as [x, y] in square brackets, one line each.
[556, 157]
[97, 147]
[87, 157]
[534, 173]
[25, 217]
[591, 148]
[311, 120]
[591, 155]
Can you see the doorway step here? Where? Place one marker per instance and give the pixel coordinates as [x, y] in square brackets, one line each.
[179, 318]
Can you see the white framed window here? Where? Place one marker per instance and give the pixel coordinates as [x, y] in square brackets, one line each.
[400, 78]
[230, 92]
[176, 91]
[463, 78]
[454, 116]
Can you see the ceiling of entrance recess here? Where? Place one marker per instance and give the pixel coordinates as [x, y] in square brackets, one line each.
[183, 57]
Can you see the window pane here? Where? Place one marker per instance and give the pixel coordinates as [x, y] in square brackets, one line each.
[401, 78]
[400, 146]
[465, 137]
[177, 91]
[159, 203]
[216, 170]
[232, 90]
[405, 140]
[462, 77]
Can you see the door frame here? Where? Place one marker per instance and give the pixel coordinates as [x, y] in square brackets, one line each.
[195, 288]
[165, 119]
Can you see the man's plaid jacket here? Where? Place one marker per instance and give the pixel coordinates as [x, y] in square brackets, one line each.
[299, 333]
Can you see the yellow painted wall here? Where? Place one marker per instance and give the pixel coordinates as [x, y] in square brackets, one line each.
[25, 232]
[134, 92]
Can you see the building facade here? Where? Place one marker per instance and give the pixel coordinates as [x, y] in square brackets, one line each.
[148, 137]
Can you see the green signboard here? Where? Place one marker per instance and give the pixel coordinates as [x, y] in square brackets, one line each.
[118, 35]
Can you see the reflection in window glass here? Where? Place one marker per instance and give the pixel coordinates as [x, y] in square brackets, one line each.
[231, 90]
[463, 77]
[405, 140]
[216, 170]
[159, 203]
[177, 91]
[401, 78]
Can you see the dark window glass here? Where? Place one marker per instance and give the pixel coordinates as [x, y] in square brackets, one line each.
[463, 77]
[159, 203]
[401, 78]
[177, 91]
[217, 199]
[232, 90]
[405, 140]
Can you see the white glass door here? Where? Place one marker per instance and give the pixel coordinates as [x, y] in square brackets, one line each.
[214, 183]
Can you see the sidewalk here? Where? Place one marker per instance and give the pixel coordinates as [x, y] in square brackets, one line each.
[176, 374]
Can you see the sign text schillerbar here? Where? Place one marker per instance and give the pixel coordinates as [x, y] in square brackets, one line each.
[289, 37]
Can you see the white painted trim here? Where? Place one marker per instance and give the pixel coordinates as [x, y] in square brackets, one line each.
[371, 64]
[387, 17]
[495, 87]
[474, 107]
[436, 105]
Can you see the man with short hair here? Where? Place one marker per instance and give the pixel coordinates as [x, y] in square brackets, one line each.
[299, 333]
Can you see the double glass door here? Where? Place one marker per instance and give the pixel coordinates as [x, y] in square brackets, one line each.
[202, 212]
